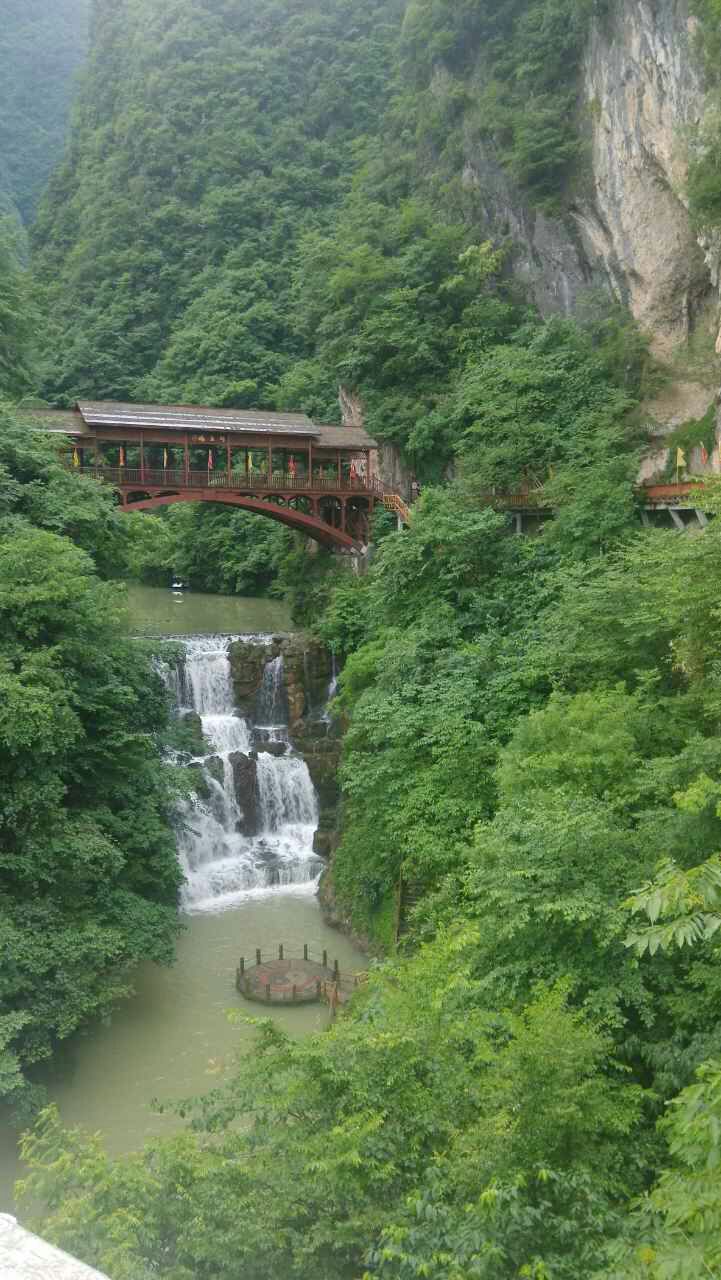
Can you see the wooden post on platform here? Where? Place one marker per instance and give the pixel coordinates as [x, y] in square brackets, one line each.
[227, 455]
[325, 959]
[242, 964]
[142, 459]
[280, 951]
[186, 457]
[336, 973]
[305, 951]
[257, 957]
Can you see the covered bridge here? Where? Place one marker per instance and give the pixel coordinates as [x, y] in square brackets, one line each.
[314, 477]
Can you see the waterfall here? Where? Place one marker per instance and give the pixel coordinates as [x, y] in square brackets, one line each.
[272, 704]
[250, 827]
[330, 692]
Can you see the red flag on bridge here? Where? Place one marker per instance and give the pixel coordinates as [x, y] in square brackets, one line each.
[122, 455]
[210, 460]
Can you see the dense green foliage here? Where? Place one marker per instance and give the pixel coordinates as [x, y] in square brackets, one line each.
[704, 176]
[372, 1132]
[17, 338]
[226, 249]
[88, 874]
[42, 46]
[508, 71]
[209, 136]
[212, 549]
[531, 725]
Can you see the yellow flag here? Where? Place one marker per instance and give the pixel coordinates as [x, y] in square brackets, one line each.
[76, 458]
[165, 459]
[680, 459]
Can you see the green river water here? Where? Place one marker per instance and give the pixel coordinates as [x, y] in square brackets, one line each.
[174, 1039]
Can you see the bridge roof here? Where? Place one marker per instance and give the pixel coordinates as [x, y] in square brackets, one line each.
[185, 417]
[96, 414]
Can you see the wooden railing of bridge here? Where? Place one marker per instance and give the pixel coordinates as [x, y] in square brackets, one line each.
[239, 481]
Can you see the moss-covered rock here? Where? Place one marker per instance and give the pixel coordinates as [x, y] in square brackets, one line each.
[247, 664]
[214, 765]
[185, 733]
[245, 784]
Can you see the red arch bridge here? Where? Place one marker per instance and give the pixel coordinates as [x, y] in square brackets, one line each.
[319, 479]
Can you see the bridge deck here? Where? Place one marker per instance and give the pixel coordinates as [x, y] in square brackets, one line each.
[335, 511]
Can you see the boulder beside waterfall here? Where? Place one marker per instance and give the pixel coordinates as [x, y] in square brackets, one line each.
[245, 785]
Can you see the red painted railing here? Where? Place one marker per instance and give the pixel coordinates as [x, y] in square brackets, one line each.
[239, 481]
[669, 493]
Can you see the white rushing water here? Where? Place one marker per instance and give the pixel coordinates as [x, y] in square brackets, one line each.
[231, 845]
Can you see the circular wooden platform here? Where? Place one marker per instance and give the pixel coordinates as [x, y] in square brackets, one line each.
[286, 981]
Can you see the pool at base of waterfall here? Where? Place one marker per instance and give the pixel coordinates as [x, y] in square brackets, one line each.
[245, 840]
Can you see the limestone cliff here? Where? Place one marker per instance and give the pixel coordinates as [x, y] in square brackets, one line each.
[627, 227]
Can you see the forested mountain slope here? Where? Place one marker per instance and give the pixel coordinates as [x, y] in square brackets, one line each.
[210, 137]
[260, 202]
[42, 47]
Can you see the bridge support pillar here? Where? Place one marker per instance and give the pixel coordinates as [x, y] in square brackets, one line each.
[344, 515]
[676, 518]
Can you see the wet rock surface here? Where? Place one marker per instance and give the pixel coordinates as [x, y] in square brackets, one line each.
[245, 784]
[307, 672]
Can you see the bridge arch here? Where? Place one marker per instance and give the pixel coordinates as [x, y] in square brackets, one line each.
[311, 525]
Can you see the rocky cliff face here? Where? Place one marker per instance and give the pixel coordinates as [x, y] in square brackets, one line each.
[642, 89]
[628, 228]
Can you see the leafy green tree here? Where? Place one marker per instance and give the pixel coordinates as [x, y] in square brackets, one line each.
[419, 1097]
[218, 549]
[88, 872]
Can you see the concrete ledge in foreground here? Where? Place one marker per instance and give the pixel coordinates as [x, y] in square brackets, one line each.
[24, 1256]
